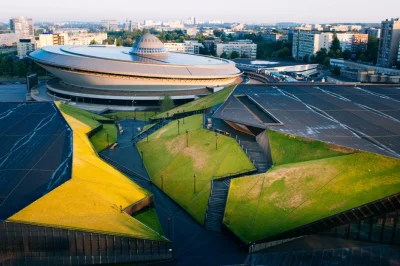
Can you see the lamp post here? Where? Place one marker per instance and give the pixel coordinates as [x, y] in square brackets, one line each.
[194, 179]
[216, 140]
[169, 221]
[142, 160]
[187, 138]
[178, 125]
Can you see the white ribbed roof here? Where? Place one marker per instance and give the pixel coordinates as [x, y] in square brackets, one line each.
[148, 44]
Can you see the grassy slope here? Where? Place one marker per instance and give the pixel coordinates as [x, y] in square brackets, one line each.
[166, 154]
[208, 101]
[292, 149]
[150, 219]
[292, 195]
[118, 116]
[99, 140]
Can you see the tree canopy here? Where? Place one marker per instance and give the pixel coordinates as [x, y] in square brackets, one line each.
[167, 103]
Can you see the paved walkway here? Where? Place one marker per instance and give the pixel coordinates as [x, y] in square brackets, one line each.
[192, 243]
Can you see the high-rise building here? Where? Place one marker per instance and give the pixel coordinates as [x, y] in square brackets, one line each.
[374, 32]
[24, 47]
[389, 43]
[245, 48]
[110, 25]
[134, 26]
[22, 26]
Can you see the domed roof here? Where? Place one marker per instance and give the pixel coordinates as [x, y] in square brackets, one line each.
[148, 44]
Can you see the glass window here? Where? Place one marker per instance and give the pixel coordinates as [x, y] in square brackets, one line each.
[365, 229]
[377, 223]
[388, 228]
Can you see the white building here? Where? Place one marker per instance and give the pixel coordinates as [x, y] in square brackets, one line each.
[192, 31]
[24, 47]
[110, 25]
[237, 27]
[9, 39]
[134, 26]
[86, 39]
[22, 26]
[245, 48]
[188, 47]
[340, 28]
[52, 39]
[309, 43]
[148, 23]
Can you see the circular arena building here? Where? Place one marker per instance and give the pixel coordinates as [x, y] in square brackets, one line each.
[123, 76]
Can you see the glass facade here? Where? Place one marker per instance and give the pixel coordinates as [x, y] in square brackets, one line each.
[383, 229]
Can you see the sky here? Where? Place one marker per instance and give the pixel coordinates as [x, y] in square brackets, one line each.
[246, 11]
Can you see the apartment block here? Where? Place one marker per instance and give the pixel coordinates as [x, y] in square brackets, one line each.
[109, 25]
[9, 39]
[52, 39]
[308, 43]
[389, 43]
[188, 47]
[245, 48]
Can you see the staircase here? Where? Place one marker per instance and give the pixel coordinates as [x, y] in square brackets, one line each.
[257, 154]
[150, 131]
[216, 204]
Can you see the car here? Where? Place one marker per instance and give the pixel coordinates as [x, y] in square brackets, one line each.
[17, 82]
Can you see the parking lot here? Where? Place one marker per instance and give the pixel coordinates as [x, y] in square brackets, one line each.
[13, 93]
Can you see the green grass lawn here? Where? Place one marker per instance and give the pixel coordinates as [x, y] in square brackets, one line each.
[287, 148]
[150, 218]
[118, 116]
[99, 140]
[207, 101]
[296, 194]
[167, 155]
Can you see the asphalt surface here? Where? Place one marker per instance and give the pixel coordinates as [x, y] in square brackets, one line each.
[192, 244]
[35, 149]
[13, 93]
[365, 118]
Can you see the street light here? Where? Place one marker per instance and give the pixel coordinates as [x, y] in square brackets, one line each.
[216, 140]
[194, 179]
[187, 138]
[178, 125]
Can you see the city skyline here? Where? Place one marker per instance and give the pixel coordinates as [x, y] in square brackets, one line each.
[307, 11]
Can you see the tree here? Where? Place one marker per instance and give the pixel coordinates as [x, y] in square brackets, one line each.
[167, 103]
[346, 54]
[119, 41]
[93, 42]
[224, 55]
[305, 58]
[372, 49]
[321, 55]
[336, 71]
[327, 61]
[235, 55]
[335, 51]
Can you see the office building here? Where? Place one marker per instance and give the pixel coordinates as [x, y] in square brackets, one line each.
[389, 43]
[109, 25]
[188, 47]
[24, 47]
[245, 48]
[22, 26]
[9, 39]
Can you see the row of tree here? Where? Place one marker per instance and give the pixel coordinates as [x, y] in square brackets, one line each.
[369, 54]
[11, 65]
